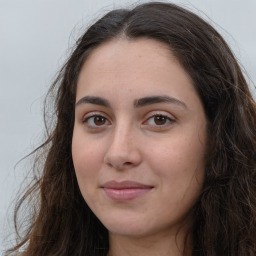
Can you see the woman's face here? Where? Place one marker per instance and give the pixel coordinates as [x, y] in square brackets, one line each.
[139, 138]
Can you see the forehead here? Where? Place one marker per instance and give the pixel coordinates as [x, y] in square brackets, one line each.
[143, 65]
[120, 52]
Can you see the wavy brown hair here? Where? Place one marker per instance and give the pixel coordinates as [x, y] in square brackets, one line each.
[60, 221]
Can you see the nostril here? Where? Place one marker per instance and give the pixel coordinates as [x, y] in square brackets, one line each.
[128, 163]
[120, 159]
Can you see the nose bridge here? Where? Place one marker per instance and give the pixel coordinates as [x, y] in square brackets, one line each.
[122, 133]
[122, 138]
[123, 150]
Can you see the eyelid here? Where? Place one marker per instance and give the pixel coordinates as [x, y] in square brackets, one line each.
[86, 119]
[94, 113]
[160, 113]
[171, 119]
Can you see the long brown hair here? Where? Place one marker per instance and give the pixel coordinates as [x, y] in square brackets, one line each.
[61, 223]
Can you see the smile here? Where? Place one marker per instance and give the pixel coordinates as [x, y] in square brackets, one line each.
[126, 190]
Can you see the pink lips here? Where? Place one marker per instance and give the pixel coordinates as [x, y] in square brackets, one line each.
[125, 190]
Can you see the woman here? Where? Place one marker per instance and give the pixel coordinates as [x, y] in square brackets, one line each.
[153, 150]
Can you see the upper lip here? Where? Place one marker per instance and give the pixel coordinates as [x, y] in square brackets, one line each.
[124, 185]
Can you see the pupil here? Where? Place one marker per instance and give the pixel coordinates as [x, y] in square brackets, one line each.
[160, 120]
[99, 120]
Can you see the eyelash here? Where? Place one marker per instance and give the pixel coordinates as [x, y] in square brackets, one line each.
[92, 116]
[167, 121]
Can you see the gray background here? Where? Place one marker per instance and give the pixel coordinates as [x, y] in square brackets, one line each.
[36, 37]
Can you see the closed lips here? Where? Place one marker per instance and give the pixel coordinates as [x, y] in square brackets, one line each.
[125, 190]
[125, 185]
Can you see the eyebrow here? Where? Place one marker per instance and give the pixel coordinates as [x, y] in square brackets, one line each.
[158, 99]
[145, 101]
[93, 100]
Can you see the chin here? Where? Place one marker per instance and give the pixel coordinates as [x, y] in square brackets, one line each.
[128, 231]
[126, 228]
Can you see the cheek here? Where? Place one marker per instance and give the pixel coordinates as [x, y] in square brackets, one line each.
[87, 166]
[86, 159]
[180, 158]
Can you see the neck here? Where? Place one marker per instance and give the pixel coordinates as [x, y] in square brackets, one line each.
[164, 245]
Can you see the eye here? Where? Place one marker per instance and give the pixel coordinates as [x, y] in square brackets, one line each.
[95, 121]
[159, 121]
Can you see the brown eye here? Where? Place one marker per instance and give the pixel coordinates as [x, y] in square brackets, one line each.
[99, 120]
[160, 120]
[95, 121]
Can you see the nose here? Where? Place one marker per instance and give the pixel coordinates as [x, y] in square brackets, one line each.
[123, 151]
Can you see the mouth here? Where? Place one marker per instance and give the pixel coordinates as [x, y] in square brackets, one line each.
[125, 190]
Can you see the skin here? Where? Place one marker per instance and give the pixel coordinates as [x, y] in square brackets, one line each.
[128, 142]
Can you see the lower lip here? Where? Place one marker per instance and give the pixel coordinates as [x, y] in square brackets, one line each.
[125, 194]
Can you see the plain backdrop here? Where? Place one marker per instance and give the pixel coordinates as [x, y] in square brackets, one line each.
[36, 37]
